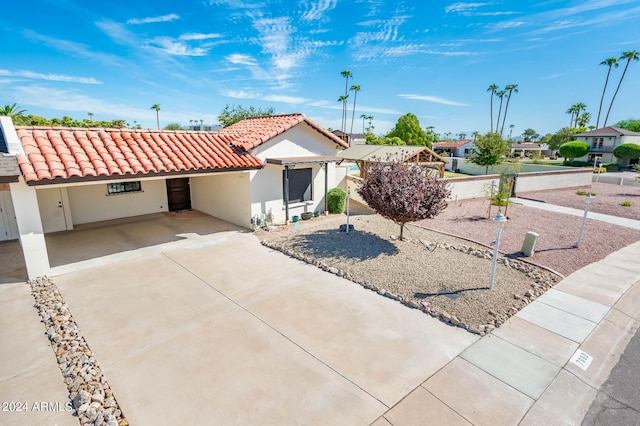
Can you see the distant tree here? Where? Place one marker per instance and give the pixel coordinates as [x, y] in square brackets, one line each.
[476, 135]
[584, 119]
[488, 151]
[118, 124]
[372, 139]
[36, 120]
[157, 108]
[431, 135]
[573, 149]
[343, 99]
[510, 88]
[231, 114]
[173, 126]
[631, 55]
[610, 62]
[356, 89]
[492, 88]
[346, 74]
[562, 136]
[575, 111]
[408, 129]
[364, 117]
[462, 136]
[500, 94]
[16, 114]
[404, 192]
[530, 135]
[629, 124]
[627, 151]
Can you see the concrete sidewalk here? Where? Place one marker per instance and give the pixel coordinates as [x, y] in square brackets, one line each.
[620, 221]
[545, 365]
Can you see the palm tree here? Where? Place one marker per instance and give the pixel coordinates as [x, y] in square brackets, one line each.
[511, 88]
[492, 89]
[364, 117]
[572, 111]
[575, 111]
[370, 118]
[476, 135]
[157, 108]
[584, 119]
[500, 94]
[462, 136]
[343, 99]
[346, 74]
[610, 62]
[356, 89]
[631, 55]
[13, 111]
[511, 126]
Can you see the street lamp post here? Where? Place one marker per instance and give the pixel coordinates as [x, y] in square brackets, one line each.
[584, 219]
[500, 221]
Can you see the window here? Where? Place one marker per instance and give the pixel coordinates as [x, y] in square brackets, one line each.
[300, 185]
[123, 187]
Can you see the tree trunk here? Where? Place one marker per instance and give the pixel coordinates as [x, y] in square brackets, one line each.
[606, 81]
[606, 118]
[401, 230]
[486, 170]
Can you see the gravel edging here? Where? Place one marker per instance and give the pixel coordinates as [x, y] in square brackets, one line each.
[518, 288]
[89, 392]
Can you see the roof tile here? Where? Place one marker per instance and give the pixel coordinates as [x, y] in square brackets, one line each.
[253, 131]
[65, 153]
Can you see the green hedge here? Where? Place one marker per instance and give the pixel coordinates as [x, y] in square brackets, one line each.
[336, 200]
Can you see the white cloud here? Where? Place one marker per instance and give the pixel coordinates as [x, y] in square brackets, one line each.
[164, 18]
[50, 77]
[240, 59]
[199, 36]
[75, 49]
[243, 94]
[434, 99]
[315, 10]
[463, 7]
[176, 47]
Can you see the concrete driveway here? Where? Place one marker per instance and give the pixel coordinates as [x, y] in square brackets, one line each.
[221, 330]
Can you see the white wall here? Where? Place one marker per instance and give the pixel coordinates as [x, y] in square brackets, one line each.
[90, 203]
[472, 187]
[224, 195]
[8, 224]
[553, 180]
[266, 184]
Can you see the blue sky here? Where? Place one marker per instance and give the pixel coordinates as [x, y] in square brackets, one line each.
[431, 58]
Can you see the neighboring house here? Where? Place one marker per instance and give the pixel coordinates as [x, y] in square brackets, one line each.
[526, 149]
[72, 176]
[351, 139]
[461, 148]
[603, 141]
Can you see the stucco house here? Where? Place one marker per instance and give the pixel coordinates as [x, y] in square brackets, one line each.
[53, 178]
[461, 148]
[603, 141]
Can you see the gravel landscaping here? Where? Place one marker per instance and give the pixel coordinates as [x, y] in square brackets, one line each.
[443, 265]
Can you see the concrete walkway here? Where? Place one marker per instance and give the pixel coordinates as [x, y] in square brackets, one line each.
[217, 328]
[620, 221]
[545, 365]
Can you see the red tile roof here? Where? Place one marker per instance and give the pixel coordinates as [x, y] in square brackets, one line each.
[253, 131]
[65, 153]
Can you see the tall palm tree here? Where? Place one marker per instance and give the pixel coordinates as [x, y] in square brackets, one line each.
[631, 55]
[346, 74]
[500, 94]
[511, 88]
[157, 108]
[476, 135]
[575, 111]
[370, 118]
[356, 89]
[16, 114]
[511, 126]
[572, 112]
[492, 89]
[343, 99]
[364, 117]
[610, 62]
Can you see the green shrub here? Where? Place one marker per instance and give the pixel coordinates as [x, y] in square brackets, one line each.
[628, 151]
[336, 200]
[573, 149]
[600, 169]
[626, 203]
[585, 193]
[612, 166]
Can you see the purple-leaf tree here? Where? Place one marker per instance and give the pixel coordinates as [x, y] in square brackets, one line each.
[404, 192]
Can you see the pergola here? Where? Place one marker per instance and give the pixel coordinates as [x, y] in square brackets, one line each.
[364, 155]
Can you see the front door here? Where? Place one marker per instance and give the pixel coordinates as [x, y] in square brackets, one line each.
[52, 210]
[178, 194]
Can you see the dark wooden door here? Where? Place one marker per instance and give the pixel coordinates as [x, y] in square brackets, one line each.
[178, 194]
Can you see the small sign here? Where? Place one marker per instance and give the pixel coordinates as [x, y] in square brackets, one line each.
[581, 359]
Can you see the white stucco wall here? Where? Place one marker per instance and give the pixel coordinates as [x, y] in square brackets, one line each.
[553, 180]
[90, 203]
[473, 187]
[266, 184]
[223, 195]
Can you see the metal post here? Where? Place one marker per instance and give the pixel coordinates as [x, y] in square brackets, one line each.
[348, 203]
[598, 176]
[286, 194]
[326, 187]
[499, 220]
[584, 219]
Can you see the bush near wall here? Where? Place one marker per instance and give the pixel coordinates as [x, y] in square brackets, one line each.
[336, 198]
